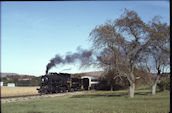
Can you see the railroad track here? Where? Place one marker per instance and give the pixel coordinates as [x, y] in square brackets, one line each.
[18, 96]
[28, 97]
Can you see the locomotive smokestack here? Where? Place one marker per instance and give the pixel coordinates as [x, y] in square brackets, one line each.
[46, 72]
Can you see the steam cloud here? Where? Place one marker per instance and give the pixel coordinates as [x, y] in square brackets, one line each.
[81, 55]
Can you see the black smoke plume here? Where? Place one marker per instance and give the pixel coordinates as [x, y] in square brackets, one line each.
[81, 55]
[56, 60]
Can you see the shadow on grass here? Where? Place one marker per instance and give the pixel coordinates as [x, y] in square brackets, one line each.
[113, 94]
[142, 93]
[34, 112]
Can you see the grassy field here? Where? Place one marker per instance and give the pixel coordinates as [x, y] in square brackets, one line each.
[95, 102]
[16, 91]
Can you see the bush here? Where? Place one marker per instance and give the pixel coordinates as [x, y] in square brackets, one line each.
[104, 85]
[164, 85]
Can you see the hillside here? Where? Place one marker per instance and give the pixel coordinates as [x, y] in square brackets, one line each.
[7, 74]
[20, 79]
[94, 74]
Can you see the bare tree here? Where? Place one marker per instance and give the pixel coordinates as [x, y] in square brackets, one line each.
[125, 38]
[157, 57]
[109, 61]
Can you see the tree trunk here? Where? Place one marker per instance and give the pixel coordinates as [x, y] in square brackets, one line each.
[131, 90]
[155, 84]
[111, 87]
[154, 89]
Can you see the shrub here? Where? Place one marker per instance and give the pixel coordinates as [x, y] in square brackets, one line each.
[164, 84]
[104, 85]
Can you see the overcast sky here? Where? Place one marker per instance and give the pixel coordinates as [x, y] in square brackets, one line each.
[34, 32]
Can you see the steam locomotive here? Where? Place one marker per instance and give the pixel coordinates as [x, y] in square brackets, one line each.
[61, 82]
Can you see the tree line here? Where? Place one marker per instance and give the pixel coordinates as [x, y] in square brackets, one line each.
[34, 81]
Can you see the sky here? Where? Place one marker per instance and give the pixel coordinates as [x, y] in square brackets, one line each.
[34, 32]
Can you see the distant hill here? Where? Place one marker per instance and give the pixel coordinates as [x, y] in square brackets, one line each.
[15, 74]
[20, 79]
[93, 74]
[8, 74]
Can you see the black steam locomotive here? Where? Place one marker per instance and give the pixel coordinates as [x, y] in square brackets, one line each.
[61, 82]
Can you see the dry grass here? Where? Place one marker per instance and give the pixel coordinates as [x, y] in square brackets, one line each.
[17, 91]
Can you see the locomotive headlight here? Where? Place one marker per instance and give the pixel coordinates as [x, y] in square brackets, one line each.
[46, 78]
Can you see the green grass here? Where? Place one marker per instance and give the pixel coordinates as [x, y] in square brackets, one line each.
[95, 102]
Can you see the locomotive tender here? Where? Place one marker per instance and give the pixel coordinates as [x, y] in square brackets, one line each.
[61, 82]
